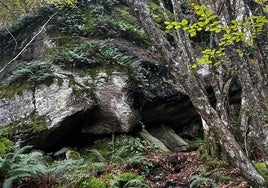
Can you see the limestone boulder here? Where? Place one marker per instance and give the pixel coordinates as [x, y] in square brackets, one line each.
[168, 136]
[72, 104]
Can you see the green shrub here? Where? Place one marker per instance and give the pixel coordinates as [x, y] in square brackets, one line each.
[18, 165]
[126, 179]
[26, 76]
[34, 71]
[97, 54]
[198, 181]
[25, 128]
[5, 146]
[90, 183]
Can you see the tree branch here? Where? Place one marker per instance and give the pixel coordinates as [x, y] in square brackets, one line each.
[24, 48]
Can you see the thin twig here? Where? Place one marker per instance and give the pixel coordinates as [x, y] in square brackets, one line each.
[16, 43]
[42, 28]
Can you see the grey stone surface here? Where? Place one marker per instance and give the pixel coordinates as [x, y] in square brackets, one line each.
[16, 108]
[70, 102]
[168, 136]
[153, 140]
[111, 94]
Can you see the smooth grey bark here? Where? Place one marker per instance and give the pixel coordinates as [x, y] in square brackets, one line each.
[179, 57]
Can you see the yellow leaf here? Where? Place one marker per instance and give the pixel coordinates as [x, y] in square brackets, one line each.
[184, 22]
[167, 22]
[169, 26]
[175, 23]
[194, 66]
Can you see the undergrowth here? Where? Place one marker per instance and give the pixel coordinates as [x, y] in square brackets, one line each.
[122, 166]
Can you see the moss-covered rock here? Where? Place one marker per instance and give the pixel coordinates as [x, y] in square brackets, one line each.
[99, 20]
[168, 136]
[24, 130]
[72, 155]
[25, 77]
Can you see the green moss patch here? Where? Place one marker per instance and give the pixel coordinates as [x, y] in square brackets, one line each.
[96, 56]
[26, 76]
[10, 90]
[90, 183]
[5, 146]
[97, 20]
[24, 129]
[261, 167]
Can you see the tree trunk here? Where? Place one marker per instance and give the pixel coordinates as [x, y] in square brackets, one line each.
[179, 57]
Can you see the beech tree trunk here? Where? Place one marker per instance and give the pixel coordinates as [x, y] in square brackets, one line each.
[179, 56]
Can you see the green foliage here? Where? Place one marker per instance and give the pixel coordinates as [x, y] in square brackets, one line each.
[18, 165]
[34, 72]
[211, 170]
[116, 158]
[110, 158]
[133, 145]
[222, 178]
[211, 163]
[26, 76]
[37, 125]
[23, 166]
[158, 16]
[261, 167]
[96, 54]
[5, 146]
[24, 128]
[198, 181]
[123, 152]
[60, 4]
[8, 161]
[238, 31]
[124, 180]
[73, 155]
[97, 19]
[12, 10]
[68, 23]
[113, 22]
[90, 183]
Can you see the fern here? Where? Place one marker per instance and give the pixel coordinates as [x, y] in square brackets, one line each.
[97, 155]
[18, 165]
[34, 71]
[126, 180]
[97, 53]
[198, 181]
[137, 182]
[116, 157]
[136, 159]
[8, 182]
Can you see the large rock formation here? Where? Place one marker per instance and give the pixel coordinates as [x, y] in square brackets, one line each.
[91, 88]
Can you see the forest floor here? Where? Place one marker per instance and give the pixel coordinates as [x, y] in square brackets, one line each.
[183, 170]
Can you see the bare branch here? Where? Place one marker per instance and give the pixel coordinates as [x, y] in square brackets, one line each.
[16, 43]
[25, 47]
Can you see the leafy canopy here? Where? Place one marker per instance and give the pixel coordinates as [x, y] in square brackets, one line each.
[11, 10]
[238, 31]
